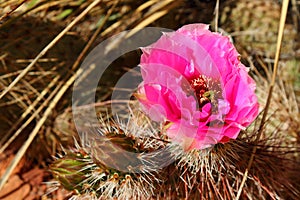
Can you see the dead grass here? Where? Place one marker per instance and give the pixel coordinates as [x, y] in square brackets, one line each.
[42, 44]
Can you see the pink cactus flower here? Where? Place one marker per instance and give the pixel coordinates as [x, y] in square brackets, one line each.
[195, 84]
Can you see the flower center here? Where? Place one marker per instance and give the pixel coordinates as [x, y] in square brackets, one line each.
[200, 90]
[206, 90]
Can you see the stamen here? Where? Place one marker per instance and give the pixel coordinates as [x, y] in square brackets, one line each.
[206, 90]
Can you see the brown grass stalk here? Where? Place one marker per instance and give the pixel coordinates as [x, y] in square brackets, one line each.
[260, 130]
[48, 47]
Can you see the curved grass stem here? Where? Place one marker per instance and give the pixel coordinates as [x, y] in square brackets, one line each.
[261, 127]
[55, 100]
[48, 47]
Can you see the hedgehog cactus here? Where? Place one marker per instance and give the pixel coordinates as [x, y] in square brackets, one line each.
[83, 174]
[196, 172]
[214, 171]
[71, 169]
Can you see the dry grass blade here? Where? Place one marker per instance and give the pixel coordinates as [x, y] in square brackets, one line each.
[48, 47]
[217, 14]
[35, 6]
[24, 115]
[156, 10]
[147, 21]
[94, 36]
[50, 107]
[262, 163]
[145, 5]
[16, 97]
[23, 149]
[159, 11]
[12, 10]
[279, 41]
[34, 132]
[296, 15]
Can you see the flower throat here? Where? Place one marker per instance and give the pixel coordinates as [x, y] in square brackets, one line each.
[206, 90]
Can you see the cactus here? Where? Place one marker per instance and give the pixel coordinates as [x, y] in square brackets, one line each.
[83, 174]
[92, 168]
[76, 171]
[212, 173]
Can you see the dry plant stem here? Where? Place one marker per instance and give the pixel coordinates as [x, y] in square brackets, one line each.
[15, 96]
[278, 47]
[39, 124]
[40, 60]
[186, 187]
[145, 5]
[37, 73]
[161, 10]
[217, 14]
[50, 4]
[19, 155]
[9, 21]
[147, 21]
[49, 46]
[12, 10]
[161, 5]
[54, 102]
[93, 38]
[27, 111]
[58, 96]
[139, 9]
[30, 88]
[296, 14]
